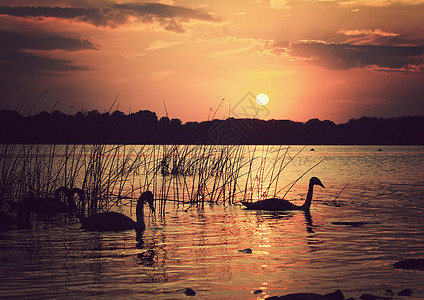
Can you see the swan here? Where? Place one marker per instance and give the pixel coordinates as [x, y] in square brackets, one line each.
[46, 205]
[276, 204]
[113, 221]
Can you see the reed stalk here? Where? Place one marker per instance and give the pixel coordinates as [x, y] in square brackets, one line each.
[115, 175]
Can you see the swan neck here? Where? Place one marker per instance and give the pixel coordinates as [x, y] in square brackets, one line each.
[306, 206]
[73, 205]
[71, 201]
[140, 213]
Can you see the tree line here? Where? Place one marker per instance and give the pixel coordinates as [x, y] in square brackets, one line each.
[144, 127]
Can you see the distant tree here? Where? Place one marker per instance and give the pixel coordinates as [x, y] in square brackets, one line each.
[144, 127]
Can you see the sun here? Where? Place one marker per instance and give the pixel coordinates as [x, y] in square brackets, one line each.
[262, 99]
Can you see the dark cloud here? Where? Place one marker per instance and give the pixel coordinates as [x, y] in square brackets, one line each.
[18, 41]
[166, 11]
[347, 56]
[168, 16]
[21, 63]
[373, 37]
[16, 58]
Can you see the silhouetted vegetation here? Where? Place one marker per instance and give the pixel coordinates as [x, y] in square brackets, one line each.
[144, 127]
[114, 175]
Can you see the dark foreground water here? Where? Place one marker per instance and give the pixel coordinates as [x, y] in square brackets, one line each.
[291, 252]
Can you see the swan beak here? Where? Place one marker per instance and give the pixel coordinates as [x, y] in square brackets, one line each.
[151, 205]
[148, 197]
[321, 185]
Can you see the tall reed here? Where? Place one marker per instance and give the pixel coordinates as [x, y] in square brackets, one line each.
[113, 175]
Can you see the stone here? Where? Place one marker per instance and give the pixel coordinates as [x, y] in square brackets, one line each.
[372, 297]
[337, 295]
[405, 292]
[247, 250]
[303, 296]
[414, 264]
[188, 291]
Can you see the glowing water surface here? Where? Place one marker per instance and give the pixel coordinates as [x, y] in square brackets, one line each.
[291, 252]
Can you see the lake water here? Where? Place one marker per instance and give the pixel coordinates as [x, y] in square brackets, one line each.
[198, 248]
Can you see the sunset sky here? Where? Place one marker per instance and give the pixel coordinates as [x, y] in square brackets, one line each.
[333, 60]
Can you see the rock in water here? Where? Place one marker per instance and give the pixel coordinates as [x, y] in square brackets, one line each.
[188, 291]
[337, 295]
[247, 250]
[414, 264]
[373, 297]
[405, 292]
[303, 296]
